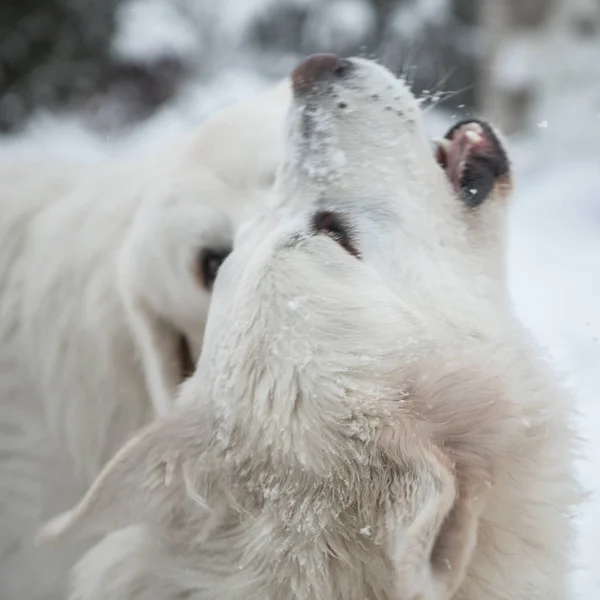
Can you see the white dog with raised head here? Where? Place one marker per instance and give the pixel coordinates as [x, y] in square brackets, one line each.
[105, 280]
[367, 420]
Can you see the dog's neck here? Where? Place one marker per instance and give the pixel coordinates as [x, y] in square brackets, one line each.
[300, 455]
[317, 528]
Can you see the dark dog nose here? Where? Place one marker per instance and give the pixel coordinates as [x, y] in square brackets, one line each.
[316, 68]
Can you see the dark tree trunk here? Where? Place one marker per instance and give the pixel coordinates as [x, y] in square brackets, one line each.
[51, 51]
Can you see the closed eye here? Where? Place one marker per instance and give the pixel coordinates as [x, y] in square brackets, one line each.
[335, 226]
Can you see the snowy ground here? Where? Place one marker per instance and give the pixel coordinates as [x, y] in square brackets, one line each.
[554, 253]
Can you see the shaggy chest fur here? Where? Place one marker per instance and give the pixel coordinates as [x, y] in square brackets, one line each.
[297, 537]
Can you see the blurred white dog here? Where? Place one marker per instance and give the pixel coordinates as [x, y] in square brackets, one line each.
[367, 419]
[105, 279]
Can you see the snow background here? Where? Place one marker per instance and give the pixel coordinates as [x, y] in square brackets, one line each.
[554, 233]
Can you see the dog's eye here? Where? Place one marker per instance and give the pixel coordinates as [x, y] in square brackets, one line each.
[334, 225]
[210, 261]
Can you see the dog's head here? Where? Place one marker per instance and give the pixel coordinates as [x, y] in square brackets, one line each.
[377, 256]
[334, 343]
[184, 229]
[360, 167]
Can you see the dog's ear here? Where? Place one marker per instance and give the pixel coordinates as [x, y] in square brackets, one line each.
[144, 483]
[475, 161]
[455, 432]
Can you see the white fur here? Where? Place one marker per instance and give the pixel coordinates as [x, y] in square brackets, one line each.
[98, 283]
[373, 429]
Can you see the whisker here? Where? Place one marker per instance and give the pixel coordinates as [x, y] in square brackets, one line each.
[442, 97]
